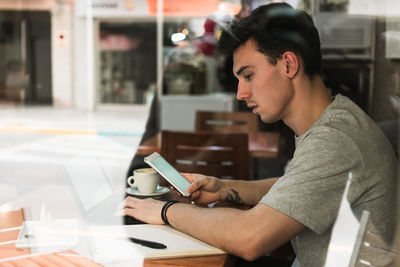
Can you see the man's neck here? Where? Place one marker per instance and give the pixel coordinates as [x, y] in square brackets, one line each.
[310, 101]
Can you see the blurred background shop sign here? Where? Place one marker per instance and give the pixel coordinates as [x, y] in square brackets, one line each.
[194, 8]
[113, 8]
[141, 8]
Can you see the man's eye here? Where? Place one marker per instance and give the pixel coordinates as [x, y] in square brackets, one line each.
[247, 77]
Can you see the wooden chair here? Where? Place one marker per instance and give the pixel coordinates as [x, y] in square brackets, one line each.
[226, 122]
[214, 154]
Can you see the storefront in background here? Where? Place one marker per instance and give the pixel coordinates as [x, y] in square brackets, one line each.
[36, 52]
[134, 48]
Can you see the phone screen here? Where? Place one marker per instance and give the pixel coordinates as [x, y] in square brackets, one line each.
[171, 174]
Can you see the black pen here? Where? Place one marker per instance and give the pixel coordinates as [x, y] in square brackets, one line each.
[147, 243]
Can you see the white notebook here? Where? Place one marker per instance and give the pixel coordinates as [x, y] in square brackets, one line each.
[108, 241]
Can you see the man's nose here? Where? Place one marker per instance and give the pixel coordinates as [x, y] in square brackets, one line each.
[243, 92]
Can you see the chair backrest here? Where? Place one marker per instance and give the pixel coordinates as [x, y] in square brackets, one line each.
[214, 154]
[226, 122]
[370, 249]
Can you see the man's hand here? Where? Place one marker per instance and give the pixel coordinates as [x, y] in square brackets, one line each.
[205, 189]
[146, 210]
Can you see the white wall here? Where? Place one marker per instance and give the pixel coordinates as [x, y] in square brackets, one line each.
[85, 59]
[62, 21]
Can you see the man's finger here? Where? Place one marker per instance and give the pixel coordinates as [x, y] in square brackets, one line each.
[196, 185]
[195, 194]
[129, 202]
[129, 212]
[189, 176]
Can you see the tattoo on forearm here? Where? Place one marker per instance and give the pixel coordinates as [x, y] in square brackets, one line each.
[234, 197]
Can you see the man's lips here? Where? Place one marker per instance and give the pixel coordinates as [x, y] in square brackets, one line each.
[254, 107]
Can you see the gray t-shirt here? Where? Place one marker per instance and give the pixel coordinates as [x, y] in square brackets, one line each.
[343, 140]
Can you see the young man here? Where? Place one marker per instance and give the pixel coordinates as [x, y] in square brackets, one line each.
[277, 61]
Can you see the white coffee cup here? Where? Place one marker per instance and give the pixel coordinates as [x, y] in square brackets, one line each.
[146, 180]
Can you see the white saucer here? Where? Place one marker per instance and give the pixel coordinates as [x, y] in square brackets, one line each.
[161, 190]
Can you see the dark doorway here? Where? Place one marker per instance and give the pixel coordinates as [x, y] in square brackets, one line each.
[25, 57]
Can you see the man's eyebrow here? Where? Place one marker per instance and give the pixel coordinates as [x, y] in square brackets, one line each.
[241, 70]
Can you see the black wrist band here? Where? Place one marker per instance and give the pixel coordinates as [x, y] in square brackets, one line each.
[164, 210]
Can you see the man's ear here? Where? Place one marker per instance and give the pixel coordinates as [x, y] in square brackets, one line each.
[290, 61]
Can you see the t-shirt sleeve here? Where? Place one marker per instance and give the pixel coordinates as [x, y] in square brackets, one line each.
[311, 189]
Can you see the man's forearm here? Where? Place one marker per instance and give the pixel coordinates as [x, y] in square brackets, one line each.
[245, 233]
[246, 192]
[215, 226]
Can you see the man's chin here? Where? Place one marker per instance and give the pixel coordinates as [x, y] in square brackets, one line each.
[268, 119]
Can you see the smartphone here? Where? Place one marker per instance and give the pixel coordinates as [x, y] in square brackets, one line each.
[157, 162]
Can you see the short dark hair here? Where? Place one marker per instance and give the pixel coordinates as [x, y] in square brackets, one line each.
[277, 28]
